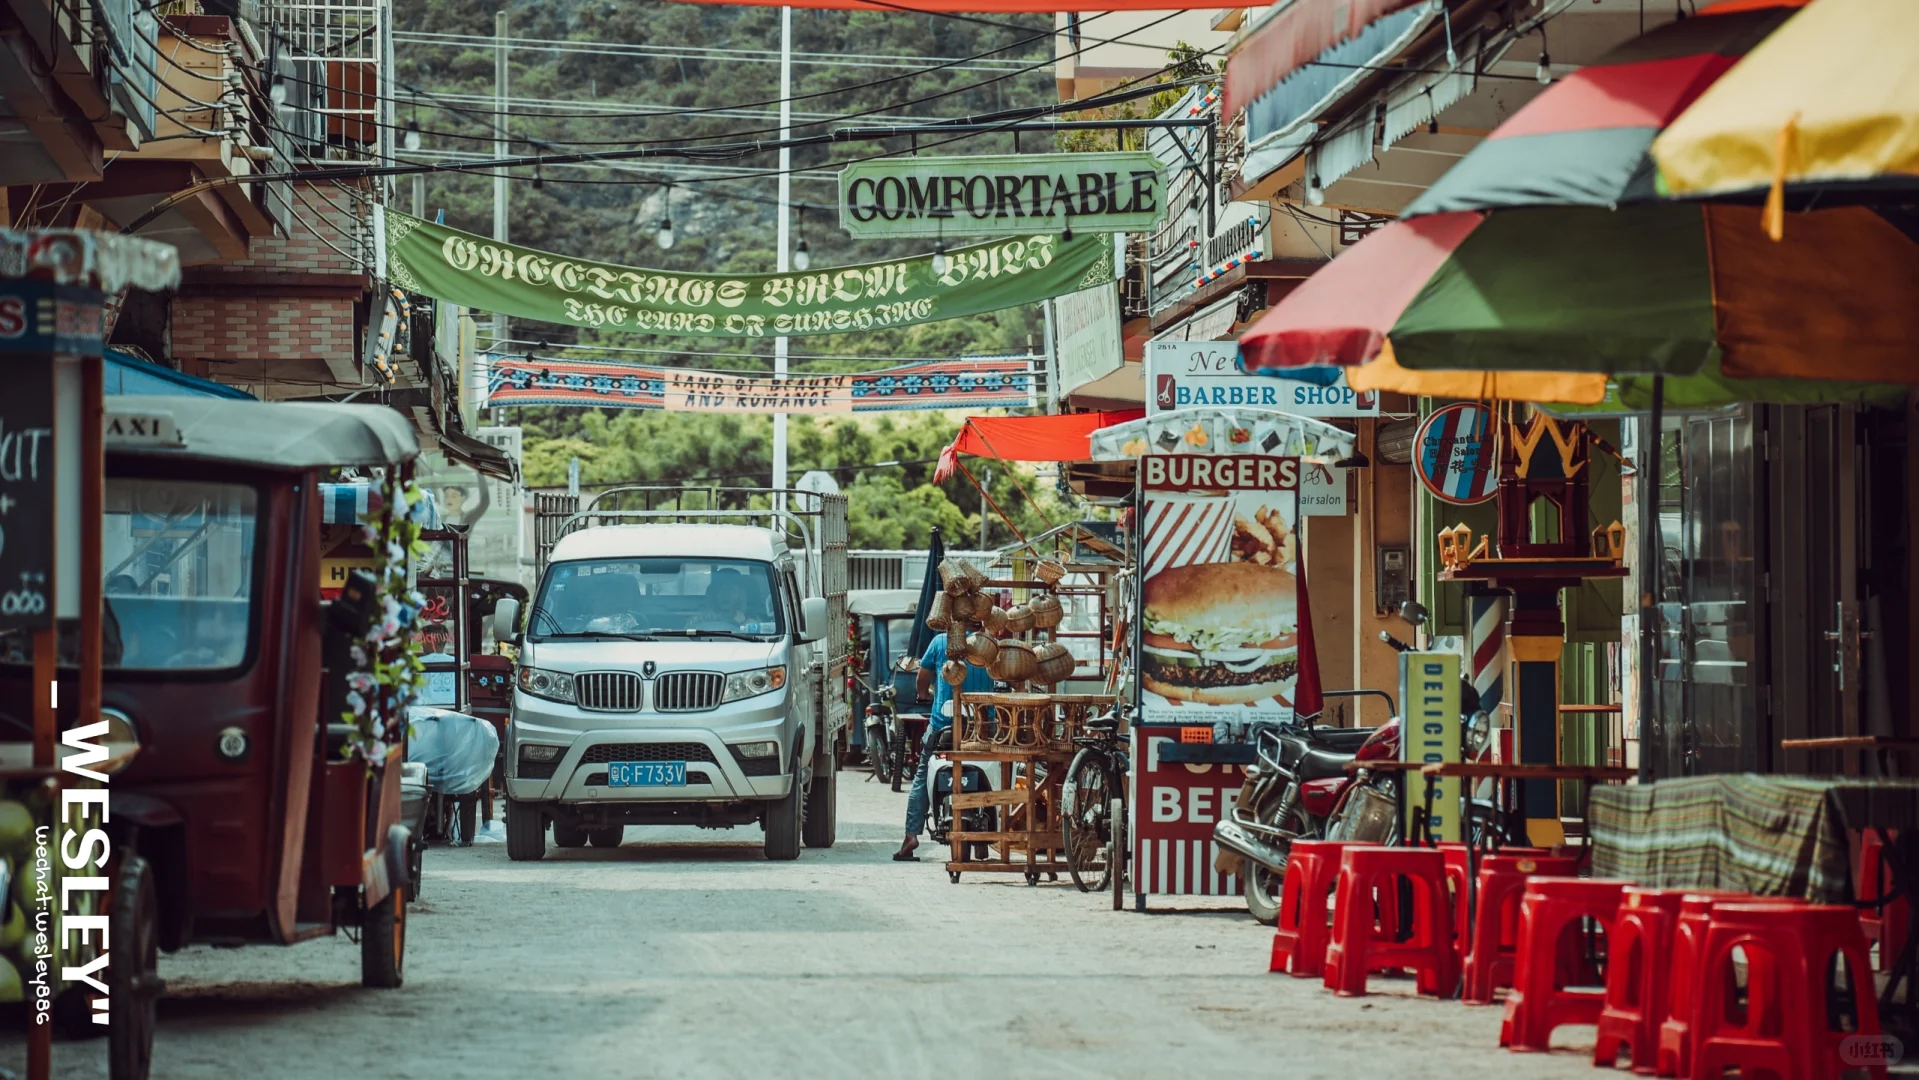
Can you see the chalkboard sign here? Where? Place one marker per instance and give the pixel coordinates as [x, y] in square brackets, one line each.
[26, 494]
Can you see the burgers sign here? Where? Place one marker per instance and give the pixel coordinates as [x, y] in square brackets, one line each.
[1220, 633]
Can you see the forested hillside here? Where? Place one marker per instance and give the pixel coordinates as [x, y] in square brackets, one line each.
[445, 83]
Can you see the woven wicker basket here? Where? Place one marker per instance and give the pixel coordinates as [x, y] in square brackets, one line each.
[938, 617]
[1019, 619]
[1015, 662]
[960, 577]
[1055, 664]
[982, 650]
[1047, 611]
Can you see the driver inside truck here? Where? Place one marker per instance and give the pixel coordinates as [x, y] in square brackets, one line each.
[726, 599]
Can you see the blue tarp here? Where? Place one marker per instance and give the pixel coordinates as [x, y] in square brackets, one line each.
[127, 375]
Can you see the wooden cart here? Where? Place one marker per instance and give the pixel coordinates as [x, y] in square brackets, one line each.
[1030, 738]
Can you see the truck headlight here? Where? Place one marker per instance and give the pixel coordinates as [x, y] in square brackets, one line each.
[537, 752]
[746, 684]
[764, 749]
[551, 685]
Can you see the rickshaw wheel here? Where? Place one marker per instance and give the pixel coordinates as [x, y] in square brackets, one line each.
[383, 943]
[136, 986]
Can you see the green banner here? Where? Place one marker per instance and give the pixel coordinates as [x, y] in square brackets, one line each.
[483, 274]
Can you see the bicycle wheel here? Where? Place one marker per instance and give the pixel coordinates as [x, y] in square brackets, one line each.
[1085, 815]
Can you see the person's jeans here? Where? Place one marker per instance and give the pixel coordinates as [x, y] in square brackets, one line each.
[920, 798]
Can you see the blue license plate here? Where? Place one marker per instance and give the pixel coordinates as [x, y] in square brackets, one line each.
[646, 774]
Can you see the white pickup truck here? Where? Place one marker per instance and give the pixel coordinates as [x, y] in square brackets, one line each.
[686, 669]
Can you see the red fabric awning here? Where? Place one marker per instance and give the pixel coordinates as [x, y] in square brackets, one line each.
[990, 7]
[1289, 40]
[1030, 438]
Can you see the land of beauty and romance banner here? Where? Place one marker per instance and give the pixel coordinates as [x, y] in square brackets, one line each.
[486, 275]
[967, 382]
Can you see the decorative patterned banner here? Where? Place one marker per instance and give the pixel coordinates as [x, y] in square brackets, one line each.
[463, 268]
[962, 383]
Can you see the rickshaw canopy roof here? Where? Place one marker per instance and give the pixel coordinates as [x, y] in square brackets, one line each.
[883, 602]
[290, 436]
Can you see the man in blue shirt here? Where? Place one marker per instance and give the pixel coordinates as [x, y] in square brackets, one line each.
[939, 725]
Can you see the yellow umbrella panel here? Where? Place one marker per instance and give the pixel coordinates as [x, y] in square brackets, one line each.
[1831, 97]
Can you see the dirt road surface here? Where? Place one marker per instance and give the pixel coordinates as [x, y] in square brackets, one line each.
[686, 954]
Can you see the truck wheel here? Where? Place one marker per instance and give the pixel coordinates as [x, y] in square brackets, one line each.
[783, 823]
[611, 836]
[822, 803]
[568, 836]
[383, 943]
[525, 832]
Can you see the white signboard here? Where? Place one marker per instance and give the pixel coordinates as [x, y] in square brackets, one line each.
[1087, 329]
[1181, 374]
[1322, 491]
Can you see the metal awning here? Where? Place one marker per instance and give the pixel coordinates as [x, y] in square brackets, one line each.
[482, 458]
[1291, 36]
[1211, 323]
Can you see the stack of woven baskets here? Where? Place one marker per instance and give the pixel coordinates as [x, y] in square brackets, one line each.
[996, 638]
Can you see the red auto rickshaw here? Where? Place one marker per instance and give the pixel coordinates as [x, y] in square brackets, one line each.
[228, 671]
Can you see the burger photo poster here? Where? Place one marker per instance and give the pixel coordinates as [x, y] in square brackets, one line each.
[1220, 633]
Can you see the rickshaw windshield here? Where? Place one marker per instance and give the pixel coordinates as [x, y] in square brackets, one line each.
[899, 634]
[651, 597]
[178, 556]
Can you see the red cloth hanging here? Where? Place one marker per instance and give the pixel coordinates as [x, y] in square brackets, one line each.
[1034, 438]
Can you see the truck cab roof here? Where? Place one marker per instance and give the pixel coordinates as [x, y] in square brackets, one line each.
[664, 540]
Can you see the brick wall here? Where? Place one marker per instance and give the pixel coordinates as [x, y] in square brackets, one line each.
[322, 208]
[263, 328]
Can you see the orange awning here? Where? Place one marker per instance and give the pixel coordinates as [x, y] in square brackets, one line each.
[1030, 438]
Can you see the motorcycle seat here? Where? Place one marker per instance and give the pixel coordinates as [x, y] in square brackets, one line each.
[1347, 740]
[1318, 764]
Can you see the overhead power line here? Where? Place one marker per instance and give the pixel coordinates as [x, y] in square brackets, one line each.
[696, 52]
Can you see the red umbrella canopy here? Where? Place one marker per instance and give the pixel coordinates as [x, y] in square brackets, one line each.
[1587, 140]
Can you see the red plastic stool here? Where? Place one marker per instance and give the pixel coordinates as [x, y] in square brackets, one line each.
[1885, 927]
[1789, 950]
[1301, 932]
[1543, 968]
[1673, 1054]
[1495, 931]
[1456, 871]
[1638, 958]
[1364, 931]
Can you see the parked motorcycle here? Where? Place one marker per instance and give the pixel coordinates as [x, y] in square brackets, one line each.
[1299, 789]
[885, 743]
[1289, 794]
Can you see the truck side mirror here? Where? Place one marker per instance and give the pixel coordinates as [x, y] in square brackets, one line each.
[812, 618]
[506, 619]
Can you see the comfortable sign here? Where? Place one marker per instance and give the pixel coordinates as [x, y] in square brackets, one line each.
[1000, 194]
[963, 383]
[474, 271]
[1182, 374]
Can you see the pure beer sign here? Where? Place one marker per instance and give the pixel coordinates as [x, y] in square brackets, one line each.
[997, 195]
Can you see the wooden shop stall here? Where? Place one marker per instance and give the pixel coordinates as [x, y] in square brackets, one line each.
[1224, 635]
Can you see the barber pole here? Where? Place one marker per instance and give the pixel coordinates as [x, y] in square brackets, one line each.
[1487, 654]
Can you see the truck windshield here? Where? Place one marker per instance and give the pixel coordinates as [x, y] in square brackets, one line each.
[668, 597]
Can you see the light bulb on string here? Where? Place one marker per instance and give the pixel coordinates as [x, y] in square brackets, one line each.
[278, 91]
[664, 237]
[939, 257]
[1315, 194]
[1544, 72]
[802, 257]
[411, 140]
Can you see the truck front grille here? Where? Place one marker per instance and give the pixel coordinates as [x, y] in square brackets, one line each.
[608, 691]
[633, 751]
[688, 691]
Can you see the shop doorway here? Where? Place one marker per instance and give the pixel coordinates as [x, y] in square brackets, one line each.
[1763, 618]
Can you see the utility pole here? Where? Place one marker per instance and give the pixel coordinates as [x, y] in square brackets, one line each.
[501, 148]
[782, 261]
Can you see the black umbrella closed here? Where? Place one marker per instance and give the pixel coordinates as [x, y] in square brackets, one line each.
[922, 636]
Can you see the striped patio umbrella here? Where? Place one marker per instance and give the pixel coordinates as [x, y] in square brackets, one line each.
[1664, 289]
[1587, 139]
[1829, 103]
